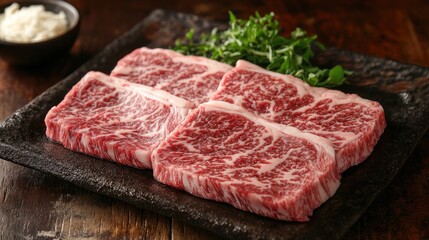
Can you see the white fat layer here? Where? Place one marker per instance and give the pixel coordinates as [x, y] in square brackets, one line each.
[85, 141]
[110, 151]
[143, 156]
[274, 163]
[347, 137]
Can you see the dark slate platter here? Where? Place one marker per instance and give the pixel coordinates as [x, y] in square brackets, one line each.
[402, 89]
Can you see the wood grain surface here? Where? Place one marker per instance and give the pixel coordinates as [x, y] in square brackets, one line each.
[35, 205]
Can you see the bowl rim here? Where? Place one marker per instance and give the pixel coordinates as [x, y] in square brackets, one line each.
[65, 6]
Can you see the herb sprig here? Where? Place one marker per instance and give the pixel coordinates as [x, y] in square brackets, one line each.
[258, 40]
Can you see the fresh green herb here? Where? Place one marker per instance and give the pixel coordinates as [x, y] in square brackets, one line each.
[258, 40]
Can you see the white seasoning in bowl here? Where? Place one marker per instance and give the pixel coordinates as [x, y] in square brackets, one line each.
[30, 24]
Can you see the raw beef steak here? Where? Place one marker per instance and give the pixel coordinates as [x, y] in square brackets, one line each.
[189, 77]
[352, 123]
[225, 153]
[114, 119]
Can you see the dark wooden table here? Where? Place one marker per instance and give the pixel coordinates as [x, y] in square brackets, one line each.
[34, 205]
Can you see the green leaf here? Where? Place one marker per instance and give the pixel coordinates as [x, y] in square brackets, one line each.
[232, 17]
[298, 33]
[336, 73]
[259, 40]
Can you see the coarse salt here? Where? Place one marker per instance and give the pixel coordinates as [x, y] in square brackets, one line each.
[30, 24]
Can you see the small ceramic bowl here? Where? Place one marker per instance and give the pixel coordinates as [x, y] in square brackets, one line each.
[43, 51]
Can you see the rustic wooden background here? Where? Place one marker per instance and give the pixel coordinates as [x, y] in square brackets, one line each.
[34, 205]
